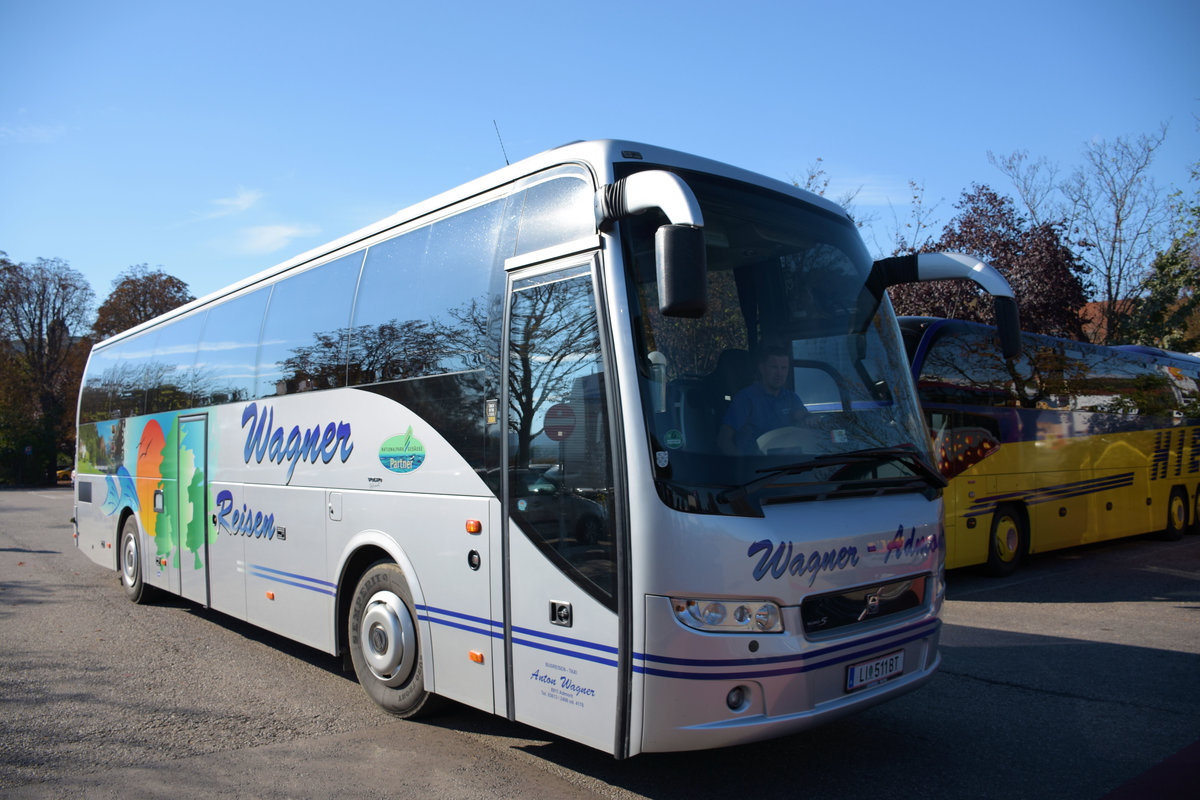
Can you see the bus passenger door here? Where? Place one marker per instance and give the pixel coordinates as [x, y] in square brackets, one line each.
[192, 492]
[566, 657]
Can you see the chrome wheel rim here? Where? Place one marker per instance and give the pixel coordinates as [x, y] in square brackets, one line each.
[388, 638]
[129, 558]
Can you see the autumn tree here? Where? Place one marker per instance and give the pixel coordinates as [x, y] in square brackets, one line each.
[1035, 258]
[44, 311]
[138, 294]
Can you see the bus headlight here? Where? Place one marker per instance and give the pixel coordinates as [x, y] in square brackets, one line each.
[728, 616]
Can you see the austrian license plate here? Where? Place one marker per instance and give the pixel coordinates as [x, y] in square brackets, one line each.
[868, 673]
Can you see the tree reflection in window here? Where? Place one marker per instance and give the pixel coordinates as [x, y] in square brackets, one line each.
[561, 485]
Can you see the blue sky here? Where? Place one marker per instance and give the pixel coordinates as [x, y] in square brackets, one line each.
[217, 139]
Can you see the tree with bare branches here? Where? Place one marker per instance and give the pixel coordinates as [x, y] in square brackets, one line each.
[44, 311]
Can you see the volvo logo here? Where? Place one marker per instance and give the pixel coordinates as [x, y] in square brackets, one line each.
[871, 606]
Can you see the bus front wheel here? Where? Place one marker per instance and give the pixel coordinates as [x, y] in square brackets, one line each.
[384, 645]
[1177, 515]
[130, 554]
[1007, 541]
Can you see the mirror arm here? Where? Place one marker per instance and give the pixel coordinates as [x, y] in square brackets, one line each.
[643, 191]
[921, 267]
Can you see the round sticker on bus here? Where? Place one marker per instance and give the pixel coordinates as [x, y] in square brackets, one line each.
[673, 439]
[402, 453]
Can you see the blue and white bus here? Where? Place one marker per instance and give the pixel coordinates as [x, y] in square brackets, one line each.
[473, 450]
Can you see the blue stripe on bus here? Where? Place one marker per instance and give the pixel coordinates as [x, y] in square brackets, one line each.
[795, 664]
[986, 505]
[292, 575]
[809, 664]
[608, 662]
[920, 629]
[458, 615]
[565, 639]
[460, 626]
[263, 572]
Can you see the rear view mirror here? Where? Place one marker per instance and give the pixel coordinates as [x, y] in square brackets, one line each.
[682, 271]
[678, 247]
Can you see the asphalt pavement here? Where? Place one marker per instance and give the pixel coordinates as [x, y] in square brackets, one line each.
[1076, 677]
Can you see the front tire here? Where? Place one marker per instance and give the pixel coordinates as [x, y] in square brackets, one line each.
[384, 644]
[130, 555]
[1007, 541]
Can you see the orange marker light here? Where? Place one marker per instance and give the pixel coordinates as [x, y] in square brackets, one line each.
[476, 656]
[270, 595]
[474, 526]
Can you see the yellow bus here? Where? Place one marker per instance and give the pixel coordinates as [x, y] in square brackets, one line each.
[1069, 443]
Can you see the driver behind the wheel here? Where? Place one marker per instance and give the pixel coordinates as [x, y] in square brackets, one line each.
[762, 406]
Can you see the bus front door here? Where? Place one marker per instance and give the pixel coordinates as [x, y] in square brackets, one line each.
[566, 661]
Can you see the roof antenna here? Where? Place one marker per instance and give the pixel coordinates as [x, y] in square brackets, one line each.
[502, 150]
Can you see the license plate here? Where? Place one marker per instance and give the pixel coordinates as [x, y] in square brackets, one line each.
[867, 673]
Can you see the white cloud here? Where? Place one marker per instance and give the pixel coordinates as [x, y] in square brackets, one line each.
[242, 200]
[271, 238]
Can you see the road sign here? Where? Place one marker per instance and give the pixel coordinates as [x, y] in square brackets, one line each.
[560, 422]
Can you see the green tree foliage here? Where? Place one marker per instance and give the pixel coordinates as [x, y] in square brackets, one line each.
[1168, 311]
[44, 310]
[1035, 258]
[138, 294]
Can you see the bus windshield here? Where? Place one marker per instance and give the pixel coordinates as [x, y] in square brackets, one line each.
[793, 385]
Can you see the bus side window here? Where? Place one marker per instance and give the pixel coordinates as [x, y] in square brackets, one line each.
[304, 335]
[171, 373]
[555, 211]
[422, 306]
[228, 350]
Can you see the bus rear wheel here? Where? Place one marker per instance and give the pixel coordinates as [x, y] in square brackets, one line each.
[384, 645]
[1177, 515]
[1007, 541]
[130, 554]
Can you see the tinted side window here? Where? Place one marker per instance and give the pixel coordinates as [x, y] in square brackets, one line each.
[966, 368]
[127, 378]
[304, 336]
[555, 211]
[226, 355]
[422, 299]
[171, 374]
[1113, 382]
[95, 396]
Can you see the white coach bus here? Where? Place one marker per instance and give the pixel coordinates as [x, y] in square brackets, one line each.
[475, 449]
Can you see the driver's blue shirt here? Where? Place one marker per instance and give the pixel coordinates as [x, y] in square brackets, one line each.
[754, 411]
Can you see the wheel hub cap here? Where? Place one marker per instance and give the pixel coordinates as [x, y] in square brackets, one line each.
[388, 638]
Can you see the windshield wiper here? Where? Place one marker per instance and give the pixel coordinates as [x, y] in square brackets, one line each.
[905, 454]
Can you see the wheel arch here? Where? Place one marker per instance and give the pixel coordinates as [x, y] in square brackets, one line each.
[361, 552]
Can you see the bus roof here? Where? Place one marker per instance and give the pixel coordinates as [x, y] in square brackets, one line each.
[598, 156]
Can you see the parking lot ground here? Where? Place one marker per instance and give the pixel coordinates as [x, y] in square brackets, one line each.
[1076, 677]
